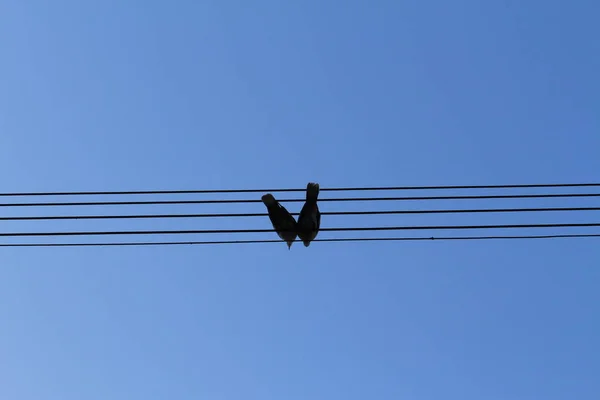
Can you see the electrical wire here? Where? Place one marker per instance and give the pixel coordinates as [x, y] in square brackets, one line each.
[345, 229]
[339, 189]
[327, 213]
[381, 239]
[345, 199]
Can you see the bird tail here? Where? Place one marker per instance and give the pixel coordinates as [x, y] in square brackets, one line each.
[312, 191]
[269, 200]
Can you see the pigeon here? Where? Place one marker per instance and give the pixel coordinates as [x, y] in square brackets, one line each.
[309, 219]
[283, 222]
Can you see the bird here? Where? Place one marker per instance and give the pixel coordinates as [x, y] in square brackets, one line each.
[309, 220]
[283, 222]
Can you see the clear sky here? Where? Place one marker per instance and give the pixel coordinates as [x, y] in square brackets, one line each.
[107, 95]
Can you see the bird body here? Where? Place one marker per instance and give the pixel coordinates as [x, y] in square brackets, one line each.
[283, 222]
[309, 220]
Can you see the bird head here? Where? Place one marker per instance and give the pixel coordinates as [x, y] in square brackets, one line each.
[268, 199]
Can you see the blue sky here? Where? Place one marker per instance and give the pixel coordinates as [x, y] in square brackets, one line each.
[173, 95]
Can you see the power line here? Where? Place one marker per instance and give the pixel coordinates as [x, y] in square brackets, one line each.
[346, 229]
[345, 199]
[382, 239]
[338, 189]
[329, 213]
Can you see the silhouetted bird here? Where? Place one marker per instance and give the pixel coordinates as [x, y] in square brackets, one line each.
[309, 219]
[283, 222]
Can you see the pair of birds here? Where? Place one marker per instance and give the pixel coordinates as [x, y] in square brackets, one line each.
[284, 223]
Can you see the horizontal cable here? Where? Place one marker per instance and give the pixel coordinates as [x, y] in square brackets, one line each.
[235, 215]
[221, 231]
[383, 239]
[214, 201]
[338, 189]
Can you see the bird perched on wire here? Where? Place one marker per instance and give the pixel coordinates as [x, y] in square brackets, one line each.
[283, 222]
[309, 219]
